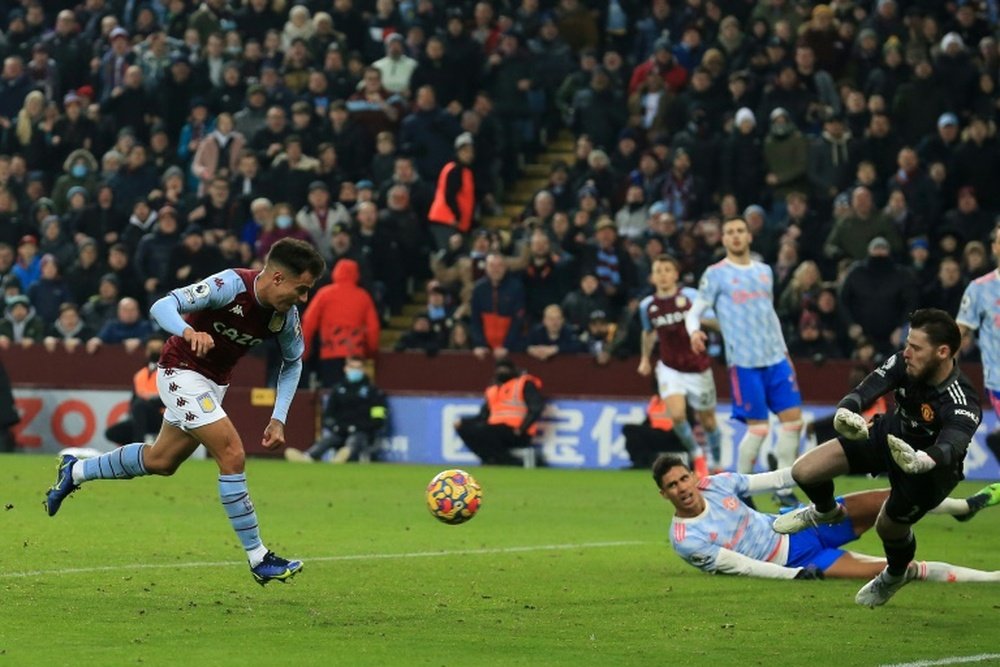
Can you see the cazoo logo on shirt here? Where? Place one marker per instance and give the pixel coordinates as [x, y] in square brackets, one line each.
[236, 336]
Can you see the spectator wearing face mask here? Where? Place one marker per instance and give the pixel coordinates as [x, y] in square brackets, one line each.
[80, 171]
[280, 226]
[356, 412]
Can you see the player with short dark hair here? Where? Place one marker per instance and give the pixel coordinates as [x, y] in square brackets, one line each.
[214, 323]
[741, 291]
[920, 446]
[717, 533]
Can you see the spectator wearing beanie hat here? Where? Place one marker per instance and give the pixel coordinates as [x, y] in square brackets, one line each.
[742, 165]
[20, 325]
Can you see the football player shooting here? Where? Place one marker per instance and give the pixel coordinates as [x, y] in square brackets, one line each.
[716, 532]
[226, 315]
[920, 446]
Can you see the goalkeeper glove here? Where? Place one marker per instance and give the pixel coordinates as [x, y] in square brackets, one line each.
[849, 424]
[913, 461]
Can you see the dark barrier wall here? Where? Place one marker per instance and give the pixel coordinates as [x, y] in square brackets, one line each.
[458, 372]
[576, 376]
[580, 376]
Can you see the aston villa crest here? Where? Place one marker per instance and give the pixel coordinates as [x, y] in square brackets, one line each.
[681, 301]
[277, 322]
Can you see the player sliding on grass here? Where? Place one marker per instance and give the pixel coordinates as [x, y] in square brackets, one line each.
[920, 447]
[227, 314]
[715, 532]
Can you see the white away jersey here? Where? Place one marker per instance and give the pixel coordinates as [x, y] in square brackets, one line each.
[726, 523]
[981, 310]
[743, 300]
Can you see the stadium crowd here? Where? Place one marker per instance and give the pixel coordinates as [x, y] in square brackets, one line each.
[145, 144]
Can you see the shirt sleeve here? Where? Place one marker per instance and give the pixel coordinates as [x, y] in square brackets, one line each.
[730, 562]
[707, 293]
[213, 292]
[708, 313]
[879, 382]
[727, 482]
[699, 553]
[290, 338]
[959, 425]
[644, 314]
[288, 381]
[969, 312]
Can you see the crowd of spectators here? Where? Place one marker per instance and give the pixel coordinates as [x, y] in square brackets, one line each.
[145, 144]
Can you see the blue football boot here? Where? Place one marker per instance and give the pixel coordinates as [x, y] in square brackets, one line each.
[275, 568]
[64, 485]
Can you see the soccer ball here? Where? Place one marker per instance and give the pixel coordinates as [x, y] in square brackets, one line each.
[454, 496]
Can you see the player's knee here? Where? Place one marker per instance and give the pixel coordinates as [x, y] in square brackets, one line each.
[707, 419]
[232, 460]
[792, 426]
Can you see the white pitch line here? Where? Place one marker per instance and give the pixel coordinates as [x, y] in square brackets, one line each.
[411, 554]
[954, 660]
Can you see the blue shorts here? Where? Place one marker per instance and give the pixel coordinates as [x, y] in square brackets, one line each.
[756, 391]
[820, 546]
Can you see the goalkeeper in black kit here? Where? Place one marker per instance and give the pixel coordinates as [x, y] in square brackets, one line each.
[920, 446]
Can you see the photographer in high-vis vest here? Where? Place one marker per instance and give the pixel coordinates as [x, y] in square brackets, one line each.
[455, 197]
[645, 441]
[507, 419]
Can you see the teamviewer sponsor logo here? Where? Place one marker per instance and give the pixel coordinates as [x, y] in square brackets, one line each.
[966, 413]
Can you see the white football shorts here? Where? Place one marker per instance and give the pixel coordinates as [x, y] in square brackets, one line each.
[697, 388]
[191, 400]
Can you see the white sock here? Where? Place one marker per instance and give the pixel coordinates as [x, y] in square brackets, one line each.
[934, 571]
[77, 473]
[749, 448]
[255, 556]
[952, 506]
[787, 447]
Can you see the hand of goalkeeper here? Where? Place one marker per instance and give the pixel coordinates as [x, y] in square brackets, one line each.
[849, 424]
[913, 461]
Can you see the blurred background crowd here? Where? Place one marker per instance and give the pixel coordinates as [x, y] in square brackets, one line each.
[145, 144]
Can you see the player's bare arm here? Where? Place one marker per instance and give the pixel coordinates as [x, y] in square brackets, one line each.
[648, 340]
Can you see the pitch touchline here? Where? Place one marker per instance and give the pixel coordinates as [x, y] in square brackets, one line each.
[954, 660]
[412, 554]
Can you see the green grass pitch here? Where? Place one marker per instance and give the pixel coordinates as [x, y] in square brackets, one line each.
[559, 568]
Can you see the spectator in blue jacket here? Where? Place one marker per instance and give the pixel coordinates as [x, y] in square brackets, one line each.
[128, 328]
[553, 336]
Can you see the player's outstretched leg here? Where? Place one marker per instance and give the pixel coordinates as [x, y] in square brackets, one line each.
[988, 496]
[878, 591]
[63, 486]
[123, 463]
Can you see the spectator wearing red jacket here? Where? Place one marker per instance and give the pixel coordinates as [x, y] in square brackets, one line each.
[344, 316]
[663, 62]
